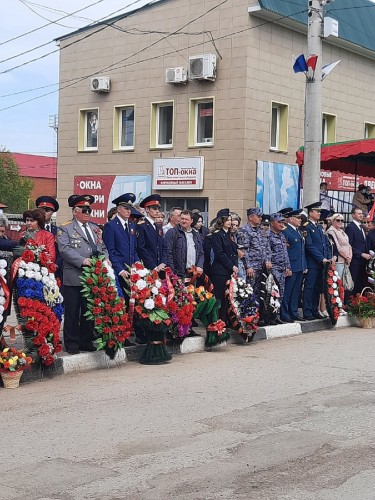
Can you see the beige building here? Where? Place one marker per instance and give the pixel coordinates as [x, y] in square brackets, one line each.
[207, 136]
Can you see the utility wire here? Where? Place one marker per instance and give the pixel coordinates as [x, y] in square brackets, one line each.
[114, 66]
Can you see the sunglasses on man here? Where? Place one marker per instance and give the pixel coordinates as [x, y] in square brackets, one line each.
[86, 210]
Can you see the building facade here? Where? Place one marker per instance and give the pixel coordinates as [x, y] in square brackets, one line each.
[225, 139]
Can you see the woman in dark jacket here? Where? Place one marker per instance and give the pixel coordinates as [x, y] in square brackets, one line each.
[225, 257]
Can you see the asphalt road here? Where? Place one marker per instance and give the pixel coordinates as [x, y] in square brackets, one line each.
[283, 419]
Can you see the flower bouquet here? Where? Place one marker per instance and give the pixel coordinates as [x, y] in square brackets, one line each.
[104, 306]
[150, 298]
[12, 364]
[206, 311]
[243, 311]
[269, 297]
[181, 308]
[38, 303]
[4, 291]
[333, 292]
[362, 306]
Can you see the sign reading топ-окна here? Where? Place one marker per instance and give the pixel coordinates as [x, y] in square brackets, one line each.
[178, 173]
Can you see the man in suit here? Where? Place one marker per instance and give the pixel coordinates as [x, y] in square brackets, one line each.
[119, 237]
[150, 245]
[318, 253]
[78, 240]
[357, 240]
[296, 251]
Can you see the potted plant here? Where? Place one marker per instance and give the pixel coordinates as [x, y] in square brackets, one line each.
[362, 306]
[12, 364]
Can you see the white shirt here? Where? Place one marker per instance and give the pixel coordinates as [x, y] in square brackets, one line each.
[88, 229]
[124, 222]
[358, 224]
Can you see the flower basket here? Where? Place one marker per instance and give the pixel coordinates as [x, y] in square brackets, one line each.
[11, 380]
[366, 322]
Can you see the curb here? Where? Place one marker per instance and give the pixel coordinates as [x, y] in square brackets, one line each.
[87, 361]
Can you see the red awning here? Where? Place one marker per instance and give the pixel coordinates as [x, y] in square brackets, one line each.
[348, 157]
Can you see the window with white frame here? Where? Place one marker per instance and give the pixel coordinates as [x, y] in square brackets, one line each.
[328, 128]
[162, 125]
[88, 130]
[279, 127]
[201, 122]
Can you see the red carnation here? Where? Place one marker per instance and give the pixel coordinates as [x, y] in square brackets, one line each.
[90, 281]
[44, 258]
[95, 289]
[43, 350]
[97, 271]
[28, 256]
[48, 360]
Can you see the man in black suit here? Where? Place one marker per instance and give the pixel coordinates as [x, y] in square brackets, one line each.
[357, 239]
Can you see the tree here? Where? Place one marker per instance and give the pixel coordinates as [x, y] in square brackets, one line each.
[14, 189]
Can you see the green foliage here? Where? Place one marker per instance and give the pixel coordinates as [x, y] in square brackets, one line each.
[14, 189]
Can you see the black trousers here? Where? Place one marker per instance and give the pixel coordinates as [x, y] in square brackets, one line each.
[78, 331]
[219, 283]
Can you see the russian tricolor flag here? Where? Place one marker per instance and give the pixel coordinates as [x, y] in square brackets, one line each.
[302, 66]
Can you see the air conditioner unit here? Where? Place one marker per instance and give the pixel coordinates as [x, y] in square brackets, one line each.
[100, 84]
[202, 67]
[176, 75]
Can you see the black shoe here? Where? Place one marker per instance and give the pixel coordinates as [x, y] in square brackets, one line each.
[73, 352]
[192, 333]
[309, 318]
[318, 316]
[279, 321]
[287, 320]
[128, 343]
[298, 318]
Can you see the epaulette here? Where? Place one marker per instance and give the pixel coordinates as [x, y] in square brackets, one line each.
[140, 222]
[216, 230]
[66, 223]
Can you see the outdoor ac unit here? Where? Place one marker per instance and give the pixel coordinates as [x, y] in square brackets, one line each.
[100, 84]
[202, 67]
[176, 75]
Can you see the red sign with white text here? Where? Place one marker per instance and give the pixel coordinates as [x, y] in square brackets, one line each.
[338, 181]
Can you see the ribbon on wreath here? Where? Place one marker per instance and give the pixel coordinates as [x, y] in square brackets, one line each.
[12, 332]
[6, 290]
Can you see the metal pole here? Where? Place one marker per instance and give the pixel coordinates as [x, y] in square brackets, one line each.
[313, 105]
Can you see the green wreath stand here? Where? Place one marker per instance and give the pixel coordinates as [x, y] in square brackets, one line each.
[156, 352]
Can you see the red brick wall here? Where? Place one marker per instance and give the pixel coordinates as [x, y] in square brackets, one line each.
[43, 187]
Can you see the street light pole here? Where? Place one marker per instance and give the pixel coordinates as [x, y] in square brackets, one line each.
[313, 105]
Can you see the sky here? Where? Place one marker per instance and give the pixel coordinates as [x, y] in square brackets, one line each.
[24, 126]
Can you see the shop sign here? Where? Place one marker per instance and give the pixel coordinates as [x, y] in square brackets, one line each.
[178, 173]
[338, 181]
[106, 188]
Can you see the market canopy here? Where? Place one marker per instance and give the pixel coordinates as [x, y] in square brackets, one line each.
[351, 157]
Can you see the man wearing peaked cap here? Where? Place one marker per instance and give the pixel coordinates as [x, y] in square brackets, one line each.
[135, 215]
[49, 205]
[257, 248]
[78, 240]
[318, 253]
[150, 244]
[296, 251]
[285, 211]
[126, 199]
[119, 238]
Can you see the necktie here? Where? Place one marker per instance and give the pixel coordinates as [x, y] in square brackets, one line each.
[126, 228]
[48, 228]
[94, 248]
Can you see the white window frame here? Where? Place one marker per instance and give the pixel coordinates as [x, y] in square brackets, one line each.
[83, 129]
[155, 124]
[275, 147]
[196, 118]
[120, 111]
[369, 127]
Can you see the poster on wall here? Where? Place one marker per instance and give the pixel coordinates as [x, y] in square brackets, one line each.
[106, 188]
[338, 181]
[277, 186]
[178, 173]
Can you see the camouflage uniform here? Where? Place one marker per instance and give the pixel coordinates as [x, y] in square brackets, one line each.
[279, 258]
[257, 250]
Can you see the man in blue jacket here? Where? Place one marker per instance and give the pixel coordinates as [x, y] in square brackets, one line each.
[119, 237]
[318, 253]
[183, 246]
[296, 251]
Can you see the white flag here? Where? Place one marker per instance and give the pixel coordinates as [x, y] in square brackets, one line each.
[326, 70]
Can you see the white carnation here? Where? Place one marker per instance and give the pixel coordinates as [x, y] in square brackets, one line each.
[149, 304]
[21, 273]
[143, 272]
[141, 284]
[3, 272]
[38, 276]
[1, 309]
[154, 290]
[3, 263]
[157, 283]
[163, 299]
[29, 273]
[2, 301]
[1, 292]
[1, 318]
[44, 271]
[36, 267]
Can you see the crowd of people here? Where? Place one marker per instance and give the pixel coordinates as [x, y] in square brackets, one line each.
[292, 245]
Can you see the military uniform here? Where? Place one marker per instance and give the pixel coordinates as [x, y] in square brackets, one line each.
[296, 251]
[74, 247]
[255, 242]
[150, 244]
[317, 248]
[279, 258]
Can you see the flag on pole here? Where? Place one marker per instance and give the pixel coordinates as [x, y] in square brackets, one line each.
[311, 61]
[326, 70]
[300, 65]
